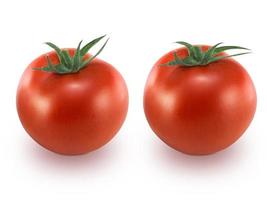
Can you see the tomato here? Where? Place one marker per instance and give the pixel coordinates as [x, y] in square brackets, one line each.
[199, 109]
[72, 113]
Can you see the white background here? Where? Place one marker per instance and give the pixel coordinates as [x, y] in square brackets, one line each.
[135, 164]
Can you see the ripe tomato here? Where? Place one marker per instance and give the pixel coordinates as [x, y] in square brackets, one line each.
[199, 108]
[72, 113]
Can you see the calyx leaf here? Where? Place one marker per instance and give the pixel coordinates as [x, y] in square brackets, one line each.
[68, 64]
[196, 57]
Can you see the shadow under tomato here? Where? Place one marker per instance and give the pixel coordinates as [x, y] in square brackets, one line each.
[94, 161]
[222, 161]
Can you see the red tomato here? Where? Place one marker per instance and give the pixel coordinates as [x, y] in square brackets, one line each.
[72, 113]
[200, 109]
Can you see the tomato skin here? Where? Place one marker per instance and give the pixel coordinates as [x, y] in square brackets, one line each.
[72, 113]
[199, 110]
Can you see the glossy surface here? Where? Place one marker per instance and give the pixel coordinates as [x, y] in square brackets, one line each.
[199, 110]
[73, 113]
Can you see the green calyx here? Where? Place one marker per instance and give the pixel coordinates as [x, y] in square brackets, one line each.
[196, 57]
[68, 64]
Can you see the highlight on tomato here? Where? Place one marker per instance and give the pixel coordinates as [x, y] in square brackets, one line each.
[71, 102]
[198, 99]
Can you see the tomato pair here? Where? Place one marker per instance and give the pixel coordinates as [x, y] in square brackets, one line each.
[196, 99]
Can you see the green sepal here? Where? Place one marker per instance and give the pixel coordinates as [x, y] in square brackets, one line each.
[209, 53]
[67, 57]
[86, 62]
[225, 48]
[198, 53]
[189, 61]
[58, 51]
[197, 57]
[49, 68]
[88, 46]
[190, 48]
[68, 64]
[77, 57]
[62, 69]
[223, 57]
